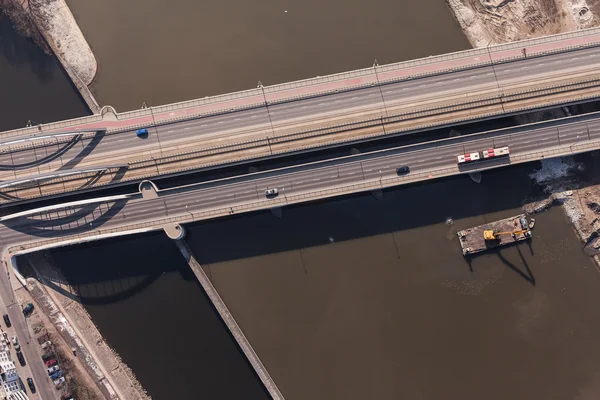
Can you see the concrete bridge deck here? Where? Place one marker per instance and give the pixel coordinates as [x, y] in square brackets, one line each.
[271, 121]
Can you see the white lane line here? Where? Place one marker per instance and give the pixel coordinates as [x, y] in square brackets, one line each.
[389, 91]
[253, 116]
[120, 140]
[333, 177]
[457, 79]
[544, 138]
[525, 67]
[335, 101]
[220, 122]
[350, 173]
[490, 73]
[299, 183]
[169, 131]
[354, 98]
[540, 64]
[507, 70]
[439, 158]
[368, 170]
[237, 119]
[576, 58]
[316, 179]
[186, 128]
[201, 126]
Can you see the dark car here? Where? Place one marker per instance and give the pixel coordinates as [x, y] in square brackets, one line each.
[21, 359]
[22, 386]
[31, 385]
[403, 170]
[47, 356]
[7, 321]
[28, 309]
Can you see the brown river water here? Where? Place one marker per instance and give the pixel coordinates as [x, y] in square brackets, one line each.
[355, 298]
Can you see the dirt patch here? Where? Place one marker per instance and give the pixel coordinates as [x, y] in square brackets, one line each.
[488, 22]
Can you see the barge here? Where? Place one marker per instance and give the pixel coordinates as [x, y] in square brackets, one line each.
[495, 234]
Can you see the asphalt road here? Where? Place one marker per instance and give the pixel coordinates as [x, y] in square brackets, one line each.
[318, 111]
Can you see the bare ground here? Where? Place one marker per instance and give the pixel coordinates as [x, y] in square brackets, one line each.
[488, 22]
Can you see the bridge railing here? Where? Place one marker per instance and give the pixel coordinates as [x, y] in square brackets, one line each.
[283, 200]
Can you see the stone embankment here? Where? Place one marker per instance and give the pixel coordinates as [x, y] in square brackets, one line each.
[51, 23]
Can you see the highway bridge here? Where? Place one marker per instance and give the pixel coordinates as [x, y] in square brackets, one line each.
[361, 105]
[92, 219]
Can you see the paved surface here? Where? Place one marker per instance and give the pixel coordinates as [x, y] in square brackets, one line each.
[253, 120]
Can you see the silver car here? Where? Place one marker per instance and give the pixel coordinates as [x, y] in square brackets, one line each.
[271, 192]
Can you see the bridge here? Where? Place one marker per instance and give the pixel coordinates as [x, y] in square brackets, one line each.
[362, 105]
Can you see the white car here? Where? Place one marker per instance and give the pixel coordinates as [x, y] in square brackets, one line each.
[59, 381]
[52, 370]
[271, 192]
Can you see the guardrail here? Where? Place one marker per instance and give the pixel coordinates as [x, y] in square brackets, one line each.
[367, 185]
[487, 52]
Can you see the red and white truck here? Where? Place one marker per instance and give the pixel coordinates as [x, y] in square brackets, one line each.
[485, 154]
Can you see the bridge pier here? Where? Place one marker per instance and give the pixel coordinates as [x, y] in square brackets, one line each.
[226, 316]
[148, 189]
[174, 231]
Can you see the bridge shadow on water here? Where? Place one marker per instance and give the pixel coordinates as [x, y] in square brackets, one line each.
[145, 257]
[307, 225]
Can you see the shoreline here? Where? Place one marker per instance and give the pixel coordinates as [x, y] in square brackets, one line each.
[111, 375]
[52, 26]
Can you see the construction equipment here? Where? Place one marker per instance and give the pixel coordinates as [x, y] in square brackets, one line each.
[495, 235]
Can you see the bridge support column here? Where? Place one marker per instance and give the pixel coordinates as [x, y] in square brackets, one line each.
[226, 316]
[174, 231]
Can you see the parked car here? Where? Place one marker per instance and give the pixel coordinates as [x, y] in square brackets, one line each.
[28, 309]
[51, 362]
[21, 358]
[141, 132]
[271, 192]
[7, 321]
[47, 344]
[15, 342]
[403, 170]
[31, 385]
[56, 375]
[52, 370]
[22, 386]
[47, 356]
[59, 381]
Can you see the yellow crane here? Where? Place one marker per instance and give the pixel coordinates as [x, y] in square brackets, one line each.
[495, 235]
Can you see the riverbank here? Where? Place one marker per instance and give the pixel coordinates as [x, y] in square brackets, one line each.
[50, 24]
[111, 376]
[490, 22]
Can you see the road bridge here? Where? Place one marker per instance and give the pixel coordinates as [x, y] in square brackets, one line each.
[301, 116]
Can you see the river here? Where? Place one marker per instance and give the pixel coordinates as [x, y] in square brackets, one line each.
[354, 298]
[162, 52]
[33, 86]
